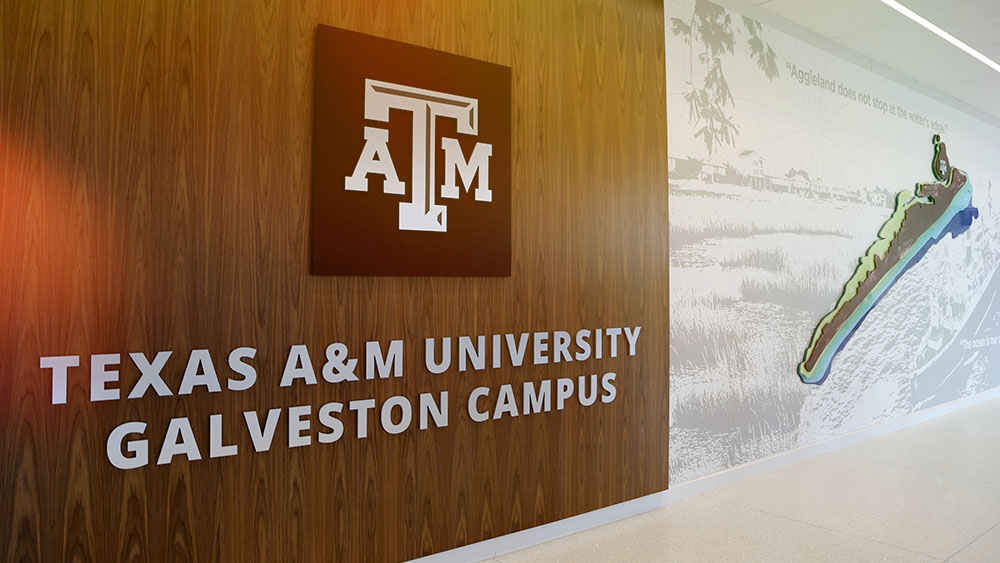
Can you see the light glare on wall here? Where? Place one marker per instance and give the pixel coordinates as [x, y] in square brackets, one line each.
[942, 34]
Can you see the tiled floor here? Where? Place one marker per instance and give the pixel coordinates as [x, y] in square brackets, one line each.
[927, 493]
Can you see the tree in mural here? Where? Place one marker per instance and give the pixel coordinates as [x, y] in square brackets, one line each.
[710, 32]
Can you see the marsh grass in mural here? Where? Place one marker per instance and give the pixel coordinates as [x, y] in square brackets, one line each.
[685, 236]
[795, 289]
[740, 213]
[744, 298]
[765, 259]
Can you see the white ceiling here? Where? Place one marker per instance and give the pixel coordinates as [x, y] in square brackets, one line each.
[891, 42]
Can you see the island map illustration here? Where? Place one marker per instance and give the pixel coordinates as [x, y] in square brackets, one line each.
[922, 217]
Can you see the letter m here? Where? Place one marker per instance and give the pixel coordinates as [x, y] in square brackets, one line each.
[467, 169]
[390, 364]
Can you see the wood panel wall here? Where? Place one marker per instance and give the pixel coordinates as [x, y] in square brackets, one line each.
[155, 166]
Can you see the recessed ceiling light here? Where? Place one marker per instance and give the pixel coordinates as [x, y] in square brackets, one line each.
[942, 34]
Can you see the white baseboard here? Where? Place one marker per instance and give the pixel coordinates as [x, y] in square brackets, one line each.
[509, 543]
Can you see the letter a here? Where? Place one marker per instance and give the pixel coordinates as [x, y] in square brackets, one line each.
[375, 159]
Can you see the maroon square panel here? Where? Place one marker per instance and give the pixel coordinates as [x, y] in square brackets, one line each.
[411, 160]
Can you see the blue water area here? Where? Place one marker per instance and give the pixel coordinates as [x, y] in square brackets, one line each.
[958, 225]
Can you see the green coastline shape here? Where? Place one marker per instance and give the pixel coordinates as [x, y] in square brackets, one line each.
[959, 188]
[866, 265]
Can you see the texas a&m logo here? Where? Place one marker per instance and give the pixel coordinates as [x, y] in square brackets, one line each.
[411, 160]
[421, 213]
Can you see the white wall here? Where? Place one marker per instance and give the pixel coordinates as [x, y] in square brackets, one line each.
[754, 267]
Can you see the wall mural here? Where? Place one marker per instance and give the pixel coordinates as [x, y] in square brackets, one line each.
[922, 216]
[784, 161]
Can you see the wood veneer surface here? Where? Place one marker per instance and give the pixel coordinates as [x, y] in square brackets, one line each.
[155, 173]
